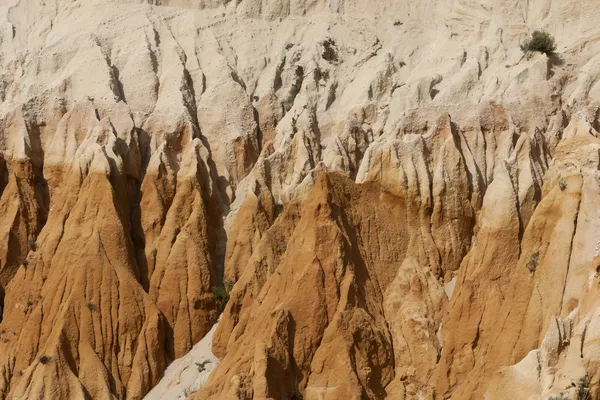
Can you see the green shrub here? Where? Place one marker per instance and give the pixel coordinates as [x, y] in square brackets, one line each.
[540, 41]
[220, 294]
[583, 388]
[202, 365]
[221, 291]
[562, 185]
[533, 261]
[44, 359]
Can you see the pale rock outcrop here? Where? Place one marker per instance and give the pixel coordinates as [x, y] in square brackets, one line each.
[536, 278]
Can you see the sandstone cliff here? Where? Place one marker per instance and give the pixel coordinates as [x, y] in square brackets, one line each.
[403, 199]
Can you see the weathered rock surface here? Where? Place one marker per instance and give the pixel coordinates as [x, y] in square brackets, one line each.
[405, 201]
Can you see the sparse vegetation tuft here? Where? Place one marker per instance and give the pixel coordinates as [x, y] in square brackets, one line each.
[23, 261]
[583, 388]
[562, 185]
[329, 50]
[533, 261]
[91, 306]
[44, 359]
[220, 294]
[202, 365]
[540, 41]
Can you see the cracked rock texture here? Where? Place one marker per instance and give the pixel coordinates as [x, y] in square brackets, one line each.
[405, 203]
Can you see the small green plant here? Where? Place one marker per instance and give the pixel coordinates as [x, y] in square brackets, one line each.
[329, 50]
[202, 365]
[540, 41]
[44, 359]
[220, 294]
[562, 185]
[91, 306]
[29, 303]
[583, 388]
[533, 261]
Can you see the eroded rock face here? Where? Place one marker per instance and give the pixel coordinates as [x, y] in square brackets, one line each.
[74, 310]
[403, 200]
[336, 297]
